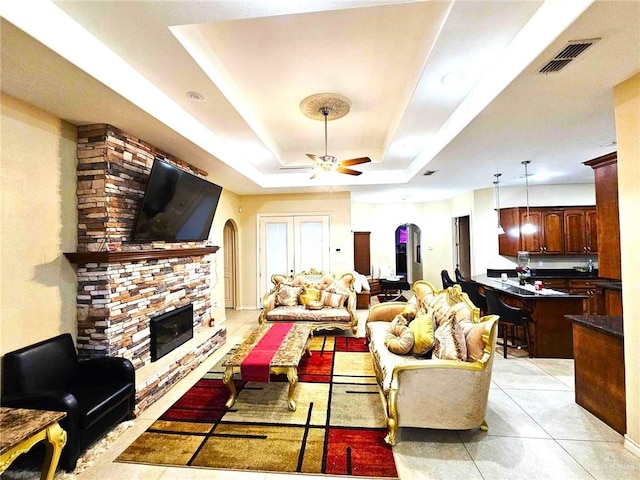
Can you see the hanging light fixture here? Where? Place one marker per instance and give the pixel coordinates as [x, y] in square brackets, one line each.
[499, 229]
[528, 227]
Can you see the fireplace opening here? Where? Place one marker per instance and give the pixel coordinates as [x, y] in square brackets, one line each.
[170, 330]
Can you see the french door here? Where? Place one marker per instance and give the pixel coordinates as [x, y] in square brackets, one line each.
[291, 244]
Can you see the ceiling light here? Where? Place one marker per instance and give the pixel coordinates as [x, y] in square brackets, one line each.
[528, 227]
[499, 228]
[196, 96]
[453, 78]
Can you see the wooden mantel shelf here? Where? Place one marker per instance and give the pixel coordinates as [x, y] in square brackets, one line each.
[136, 255]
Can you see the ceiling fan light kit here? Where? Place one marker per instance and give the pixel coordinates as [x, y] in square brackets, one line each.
[329, 106]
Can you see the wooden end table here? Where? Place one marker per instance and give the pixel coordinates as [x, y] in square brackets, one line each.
[285, 360]
[22, 428]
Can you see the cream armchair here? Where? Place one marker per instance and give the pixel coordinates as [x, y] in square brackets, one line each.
[432, 393]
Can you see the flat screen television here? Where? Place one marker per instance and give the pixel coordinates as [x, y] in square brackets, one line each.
[177, 206]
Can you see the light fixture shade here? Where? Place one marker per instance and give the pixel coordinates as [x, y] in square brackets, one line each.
[499, 229]
[528, 228]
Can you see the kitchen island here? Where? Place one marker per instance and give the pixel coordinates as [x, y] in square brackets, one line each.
[550, 333]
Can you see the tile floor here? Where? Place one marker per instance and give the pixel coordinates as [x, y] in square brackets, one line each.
[536, 431]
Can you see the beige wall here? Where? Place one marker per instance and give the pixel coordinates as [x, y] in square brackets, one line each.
[627, 103]
[227, 210]
[38, 218]
[336, 205]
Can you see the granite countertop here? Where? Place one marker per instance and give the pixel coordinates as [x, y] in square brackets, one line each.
[605, 323]
[512, 287]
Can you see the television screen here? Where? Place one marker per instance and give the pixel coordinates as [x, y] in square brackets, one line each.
[177, 206]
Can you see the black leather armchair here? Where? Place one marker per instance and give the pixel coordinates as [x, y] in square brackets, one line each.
[96, 394]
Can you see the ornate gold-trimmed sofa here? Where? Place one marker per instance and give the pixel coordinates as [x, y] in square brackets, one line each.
[332, 304]
[432, 392]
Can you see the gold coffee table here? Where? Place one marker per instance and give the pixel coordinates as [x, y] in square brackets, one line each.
[284, 361]
[22, 428]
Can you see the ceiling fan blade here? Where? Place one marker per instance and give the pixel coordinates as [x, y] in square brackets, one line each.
[296, 167]
[354, 161]
[348, 171]
[313, 157]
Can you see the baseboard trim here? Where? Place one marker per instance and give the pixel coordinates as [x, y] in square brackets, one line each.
[631, 445]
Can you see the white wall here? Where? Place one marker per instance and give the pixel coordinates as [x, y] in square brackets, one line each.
[435, 219]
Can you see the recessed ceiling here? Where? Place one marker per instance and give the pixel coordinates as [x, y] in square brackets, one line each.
[133, 64]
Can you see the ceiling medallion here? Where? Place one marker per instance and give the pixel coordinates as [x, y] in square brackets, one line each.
[314, 105]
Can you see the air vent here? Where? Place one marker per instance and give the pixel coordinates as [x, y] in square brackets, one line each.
[428, 173]
[569, 53]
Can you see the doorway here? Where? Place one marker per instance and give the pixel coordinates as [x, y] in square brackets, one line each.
[462, 245]
[230, 250]
[408, 255]
[291, 244]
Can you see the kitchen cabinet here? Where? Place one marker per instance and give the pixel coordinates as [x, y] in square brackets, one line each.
[580, 230]
[558, 231]
[586, 287]
[605, 169]
[549, 235]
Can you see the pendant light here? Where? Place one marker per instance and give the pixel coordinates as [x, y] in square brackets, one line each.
[499, 229]
[528, 227]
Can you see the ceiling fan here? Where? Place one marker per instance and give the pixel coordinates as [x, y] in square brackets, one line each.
[327, 107]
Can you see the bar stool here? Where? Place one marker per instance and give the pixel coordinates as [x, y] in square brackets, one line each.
[446, 279]
[471, 289]
[510, 319]
[459, 277]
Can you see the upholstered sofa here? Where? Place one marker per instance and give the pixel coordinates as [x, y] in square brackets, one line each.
[424, 391]
[325, 300]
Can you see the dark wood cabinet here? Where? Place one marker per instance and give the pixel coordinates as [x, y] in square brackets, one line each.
[606, 177]
[509, 241]
[580, 230]
[586, 287]
[362, 252]
[558, 231]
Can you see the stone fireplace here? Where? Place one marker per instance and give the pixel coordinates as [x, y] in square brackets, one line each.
[122, 286]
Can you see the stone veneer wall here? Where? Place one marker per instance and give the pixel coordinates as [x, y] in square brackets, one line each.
[113, 169]
[117, 300]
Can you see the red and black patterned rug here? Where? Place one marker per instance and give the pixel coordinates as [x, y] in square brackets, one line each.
[338, 427]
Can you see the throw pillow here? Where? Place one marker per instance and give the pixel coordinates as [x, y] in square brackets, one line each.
[475, 344]
[422, 328]
[449, 341]
[399, 339]
[410, 311]
[309, 294]
[398, 320]
[334, 300]
[287, 295]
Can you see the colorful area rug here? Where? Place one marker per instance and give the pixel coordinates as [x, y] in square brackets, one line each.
[338, 427]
